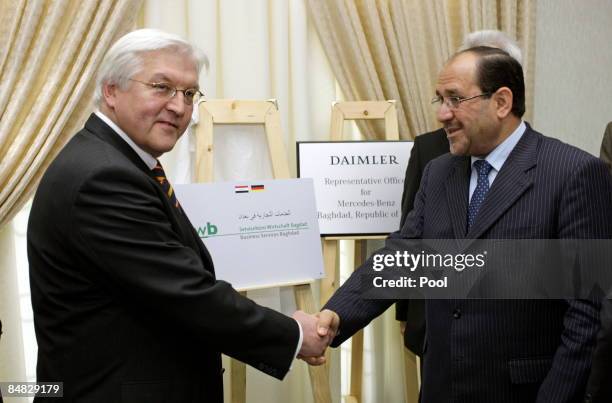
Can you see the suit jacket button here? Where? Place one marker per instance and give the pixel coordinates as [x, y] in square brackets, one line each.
[457, 313]
[588, 398]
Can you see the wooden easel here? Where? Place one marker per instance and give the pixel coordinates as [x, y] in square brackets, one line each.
[228, 112]
[366, 110]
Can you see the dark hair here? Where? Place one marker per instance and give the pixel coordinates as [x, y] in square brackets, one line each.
[495, 69]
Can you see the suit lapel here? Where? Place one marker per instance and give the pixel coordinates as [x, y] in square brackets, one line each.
[457, 186]
[98, 128]
[509, 184]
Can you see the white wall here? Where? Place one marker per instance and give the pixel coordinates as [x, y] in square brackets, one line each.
[573, 74]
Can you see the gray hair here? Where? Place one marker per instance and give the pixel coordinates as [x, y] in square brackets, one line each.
[124, 59]
[493, 39]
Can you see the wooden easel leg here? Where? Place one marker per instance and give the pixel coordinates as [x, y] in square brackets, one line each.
[356, 366]
[328, 283]
[330, 258]
[318, 375]
[411, 363]
[357, 341]
[238, 379]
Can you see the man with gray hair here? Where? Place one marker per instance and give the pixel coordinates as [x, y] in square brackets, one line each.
[126, 304]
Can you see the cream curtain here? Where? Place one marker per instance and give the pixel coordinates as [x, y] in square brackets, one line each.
[49, 52]
[12, 364]
[393, 49]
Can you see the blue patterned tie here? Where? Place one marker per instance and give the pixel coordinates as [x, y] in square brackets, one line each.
[482, 187]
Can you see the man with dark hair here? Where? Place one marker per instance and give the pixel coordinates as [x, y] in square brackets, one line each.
[501, 180]
[427, 146]
[599, 387]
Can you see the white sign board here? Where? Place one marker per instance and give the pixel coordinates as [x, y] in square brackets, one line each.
[259, 234]
[358, 184]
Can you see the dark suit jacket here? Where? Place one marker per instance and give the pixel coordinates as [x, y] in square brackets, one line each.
[126, 304]
[426, 147]
[492, 350]
[599, 387]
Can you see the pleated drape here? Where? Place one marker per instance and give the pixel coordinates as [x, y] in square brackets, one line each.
[50, 51]
[393, 49]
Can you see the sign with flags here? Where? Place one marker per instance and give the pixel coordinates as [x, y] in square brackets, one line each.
[248, 188]
[259, 234]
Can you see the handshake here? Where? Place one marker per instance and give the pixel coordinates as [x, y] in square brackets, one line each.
[318, 331]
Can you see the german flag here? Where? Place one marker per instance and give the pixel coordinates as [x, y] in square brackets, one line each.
[257, 188]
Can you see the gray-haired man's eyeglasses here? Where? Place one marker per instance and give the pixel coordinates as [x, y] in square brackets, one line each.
[191, 96]
[454, 102]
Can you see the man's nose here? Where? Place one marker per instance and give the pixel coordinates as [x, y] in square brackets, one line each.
[444, 113]
[177, 104]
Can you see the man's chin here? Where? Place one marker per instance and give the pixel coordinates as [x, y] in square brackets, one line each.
[156, 150]
[165, 140]
[458, 150]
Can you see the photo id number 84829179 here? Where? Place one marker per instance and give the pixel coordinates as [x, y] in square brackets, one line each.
[32, 389]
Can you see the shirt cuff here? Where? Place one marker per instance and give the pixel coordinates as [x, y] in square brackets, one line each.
[299, 345]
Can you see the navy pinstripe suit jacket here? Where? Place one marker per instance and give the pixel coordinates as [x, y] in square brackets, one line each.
[493, 350]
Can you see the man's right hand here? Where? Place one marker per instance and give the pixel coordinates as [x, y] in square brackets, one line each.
[327, 327]
[318, 332]
[328, 324]
[313, 345]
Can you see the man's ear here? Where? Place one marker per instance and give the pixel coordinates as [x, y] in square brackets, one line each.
[503, 102]
[109, 92]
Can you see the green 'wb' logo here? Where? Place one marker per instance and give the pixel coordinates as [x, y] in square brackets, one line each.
[207, 231]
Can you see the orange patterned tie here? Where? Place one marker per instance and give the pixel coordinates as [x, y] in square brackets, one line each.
[160, 176]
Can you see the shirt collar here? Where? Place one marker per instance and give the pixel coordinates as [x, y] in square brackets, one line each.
[147, 158]
[500, 154]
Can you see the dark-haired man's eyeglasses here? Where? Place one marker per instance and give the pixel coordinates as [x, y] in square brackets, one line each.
[454, 102]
